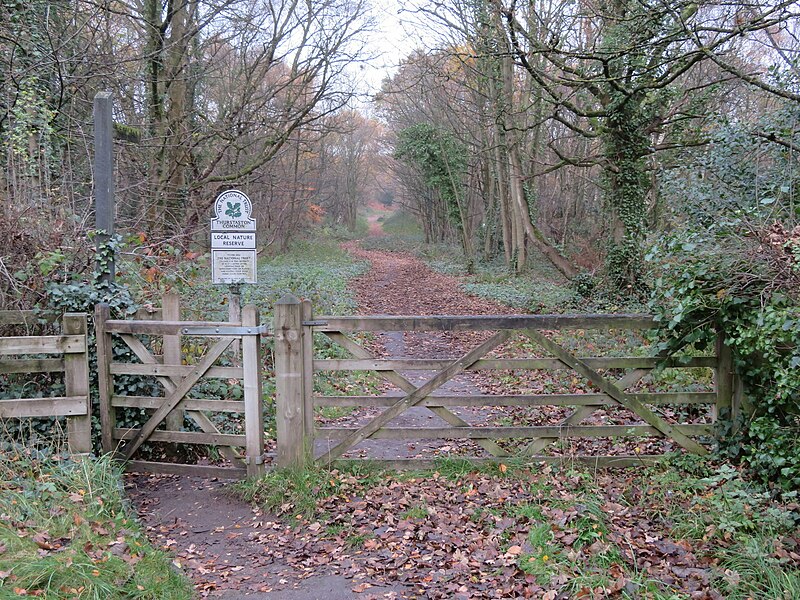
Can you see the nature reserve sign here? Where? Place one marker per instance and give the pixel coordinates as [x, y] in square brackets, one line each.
[233, 239]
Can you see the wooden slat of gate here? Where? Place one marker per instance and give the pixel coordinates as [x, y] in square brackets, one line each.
[612, 390]
[504, 431]
[483, 322]
[434, 364]
[177, 395]
[408, 387]
[170, 383]
[411, 399]
[596, 400]
[171, 351]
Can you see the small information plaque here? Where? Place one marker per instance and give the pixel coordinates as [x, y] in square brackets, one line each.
[234, 266]
[233, 239]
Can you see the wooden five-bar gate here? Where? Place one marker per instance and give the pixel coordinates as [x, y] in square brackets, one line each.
[297, 432]
[156, 342]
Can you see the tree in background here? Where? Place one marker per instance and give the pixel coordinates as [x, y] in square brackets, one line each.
[470, 102]
[207, 96]
[441, 160]
[348, 163]
[622, 71]
[578, 100]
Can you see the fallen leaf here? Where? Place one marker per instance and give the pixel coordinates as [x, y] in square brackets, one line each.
[43, 541]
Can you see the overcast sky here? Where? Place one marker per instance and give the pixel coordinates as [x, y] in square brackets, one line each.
[396, 36]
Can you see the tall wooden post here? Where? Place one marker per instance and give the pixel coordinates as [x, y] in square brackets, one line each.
[253, 395]
[290, 403]
[108, 419]
[104, 177]
[171, 311]
[307, 335]
[724, 378]
[76, 382]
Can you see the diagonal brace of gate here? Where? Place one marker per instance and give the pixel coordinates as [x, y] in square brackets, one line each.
[415, 397]
[173, 399]
[404, 384]
[617, 394]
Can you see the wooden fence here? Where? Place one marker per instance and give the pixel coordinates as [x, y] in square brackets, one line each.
[65, 353]
[166, 419]
[296, 402]
[156, 341]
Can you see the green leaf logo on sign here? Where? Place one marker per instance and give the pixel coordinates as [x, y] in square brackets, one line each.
[234, 210]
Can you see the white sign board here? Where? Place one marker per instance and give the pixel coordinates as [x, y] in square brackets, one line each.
[233, 266]
[232, 212]
[233, 239]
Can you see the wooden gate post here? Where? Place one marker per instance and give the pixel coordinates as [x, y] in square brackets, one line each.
[724, 378]
[289, 380]
[105, 355]
[253, 396]
[76, 382]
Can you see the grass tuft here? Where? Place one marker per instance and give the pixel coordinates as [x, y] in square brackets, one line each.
[67, 533]
[296, 492]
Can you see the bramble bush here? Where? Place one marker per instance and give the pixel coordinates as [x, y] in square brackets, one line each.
[731, 262]
[744, 281]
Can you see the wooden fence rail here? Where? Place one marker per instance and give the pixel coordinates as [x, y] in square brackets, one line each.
[296, 401]
[66, 353]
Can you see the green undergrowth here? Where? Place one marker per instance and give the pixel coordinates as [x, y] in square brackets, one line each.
[730, 279]
[401, 224]
[523, 293]
[295, 493]
[341, 233]
[539, 289]
[401, 233]
[752, 539]
[66, 532]
[317, 270]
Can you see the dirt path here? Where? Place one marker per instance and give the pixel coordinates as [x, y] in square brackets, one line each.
[227, 547]
[401, 284]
